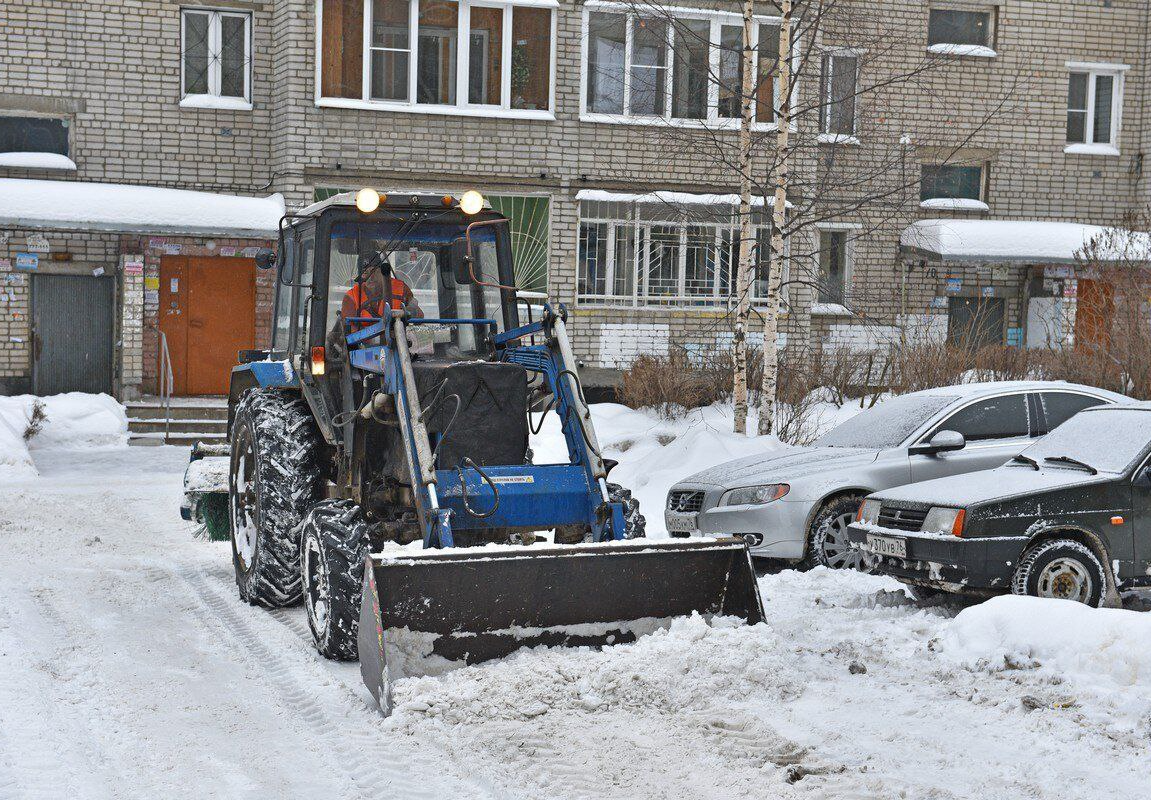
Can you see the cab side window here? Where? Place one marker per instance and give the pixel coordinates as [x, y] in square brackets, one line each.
[282, 322]
[305, 261]
[1058, 407]
[993, 418]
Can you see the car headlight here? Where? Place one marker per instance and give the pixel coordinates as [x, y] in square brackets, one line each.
[868, 512]
[944, 520]
[755, 495]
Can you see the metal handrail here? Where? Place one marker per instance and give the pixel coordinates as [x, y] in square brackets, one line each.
[167, 383]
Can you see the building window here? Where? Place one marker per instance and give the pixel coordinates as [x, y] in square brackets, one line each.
[689, 69]
[952, 186]
[1094, 101]
[656, 254]
[450, 56]
[957, 32]
[838, 88]
[834, 267]
[217, 57]
[34, 143]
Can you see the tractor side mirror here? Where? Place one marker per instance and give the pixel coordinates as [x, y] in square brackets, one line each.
[266, 259]
[461, 269]
[941, 442]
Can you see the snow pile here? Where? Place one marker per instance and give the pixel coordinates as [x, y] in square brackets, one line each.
[1095, 645]
[64, 421]
[37, 161]
[653, 453]
[138, 209]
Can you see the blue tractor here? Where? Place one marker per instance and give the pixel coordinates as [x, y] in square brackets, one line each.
[379, 463]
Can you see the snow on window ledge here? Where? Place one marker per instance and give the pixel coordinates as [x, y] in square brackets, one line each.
[213, 101]
[973, 50]
[954, 204]
[837, 138]
[1092, 149]
[830, 310]
[37, 161]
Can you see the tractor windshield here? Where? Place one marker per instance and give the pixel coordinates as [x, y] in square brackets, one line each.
[421, 257]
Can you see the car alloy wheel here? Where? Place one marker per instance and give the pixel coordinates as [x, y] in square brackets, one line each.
[836, 552]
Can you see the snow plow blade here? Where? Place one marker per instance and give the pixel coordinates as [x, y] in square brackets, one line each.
[427, 613]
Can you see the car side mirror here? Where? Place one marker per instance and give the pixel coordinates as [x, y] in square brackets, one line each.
[266, 259]
[941, 442]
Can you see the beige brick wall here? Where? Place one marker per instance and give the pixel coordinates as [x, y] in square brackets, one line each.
[113, 71]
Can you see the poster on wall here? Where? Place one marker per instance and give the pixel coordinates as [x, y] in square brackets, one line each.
[27, 261]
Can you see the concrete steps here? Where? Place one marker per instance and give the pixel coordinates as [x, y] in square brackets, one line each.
[186, 420]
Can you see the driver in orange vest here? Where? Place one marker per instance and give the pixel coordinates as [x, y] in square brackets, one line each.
[366, 298]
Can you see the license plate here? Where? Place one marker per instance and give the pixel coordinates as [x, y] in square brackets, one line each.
[887, 546]
[678, 522]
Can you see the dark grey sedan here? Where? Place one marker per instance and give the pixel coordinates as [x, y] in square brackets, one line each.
[1069, 517]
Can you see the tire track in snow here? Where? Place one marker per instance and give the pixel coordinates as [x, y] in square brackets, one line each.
[369, 763]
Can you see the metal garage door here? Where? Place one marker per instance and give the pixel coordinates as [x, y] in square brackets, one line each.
[73, 325]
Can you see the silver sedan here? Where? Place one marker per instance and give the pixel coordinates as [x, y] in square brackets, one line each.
[796, 506]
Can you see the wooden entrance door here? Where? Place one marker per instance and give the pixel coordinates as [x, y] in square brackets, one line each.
[208, 313]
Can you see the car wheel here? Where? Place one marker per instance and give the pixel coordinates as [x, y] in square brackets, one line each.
[1061, 569]
[829, 545]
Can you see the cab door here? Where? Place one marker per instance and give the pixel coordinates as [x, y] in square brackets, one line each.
[996, 429]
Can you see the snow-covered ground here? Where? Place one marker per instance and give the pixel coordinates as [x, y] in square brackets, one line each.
[130, 669]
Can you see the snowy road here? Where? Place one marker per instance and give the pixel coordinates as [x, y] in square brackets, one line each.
[129, 668]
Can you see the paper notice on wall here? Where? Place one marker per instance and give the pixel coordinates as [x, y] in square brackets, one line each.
[151, 282]
[173, 249]
[174, 286]
[228, 251]
[5, 263]
[250, 252]
[96, 273]
[156, 241]
[152, 297]
[14, 277]
[27, 261]
[38, 243]
[134, 267]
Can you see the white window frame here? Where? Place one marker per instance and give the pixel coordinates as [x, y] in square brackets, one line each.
[463, 49]
[1093, 70]
[850, 232]
[213, 98]
[826, 137]
[717, 19]
[680, 300]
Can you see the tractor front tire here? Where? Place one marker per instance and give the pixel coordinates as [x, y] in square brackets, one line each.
[333, 545]
[275, 477]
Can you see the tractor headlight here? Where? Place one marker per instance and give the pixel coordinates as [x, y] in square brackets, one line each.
[367, 200]
[755, 495]
[868, 512]
[944, 520]
[471, 202]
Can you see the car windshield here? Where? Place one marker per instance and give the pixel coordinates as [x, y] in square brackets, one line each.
[419, 256]
[887, 424]
[1108, 440]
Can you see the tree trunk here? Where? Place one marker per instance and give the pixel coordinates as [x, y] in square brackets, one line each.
[779, 220]
[746, 231]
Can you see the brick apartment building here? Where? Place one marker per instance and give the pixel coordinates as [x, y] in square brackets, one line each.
[994, 134]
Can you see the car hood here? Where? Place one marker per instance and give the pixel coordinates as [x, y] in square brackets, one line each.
[786, 467]
[974, 488]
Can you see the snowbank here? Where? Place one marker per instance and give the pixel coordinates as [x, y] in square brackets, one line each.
[72, 420]
[653, 453]
[1097, 645]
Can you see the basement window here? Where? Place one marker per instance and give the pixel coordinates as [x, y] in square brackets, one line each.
[954, 187]
[216, 59]
[438, 56]
[961, 33]
[34, 143]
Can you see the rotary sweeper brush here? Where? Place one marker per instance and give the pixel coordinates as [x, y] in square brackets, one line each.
[394, 409]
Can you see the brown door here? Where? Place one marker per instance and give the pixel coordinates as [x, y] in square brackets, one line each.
[1095, 314]
[208, 314]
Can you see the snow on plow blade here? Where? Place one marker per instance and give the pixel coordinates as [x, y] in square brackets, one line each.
[426, 613]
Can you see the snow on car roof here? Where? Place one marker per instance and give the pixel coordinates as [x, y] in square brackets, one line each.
[977, 388]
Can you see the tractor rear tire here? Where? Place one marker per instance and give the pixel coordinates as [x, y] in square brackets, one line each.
[275, 477]
[333, 545]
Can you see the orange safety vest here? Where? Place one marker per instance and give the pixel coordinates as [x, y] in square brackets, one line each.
[400, 294]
